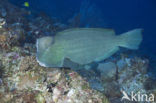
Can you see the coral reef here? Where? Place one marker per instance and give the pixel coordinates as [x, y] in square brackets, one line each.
[23, 26]
[23, 80]
[126, 74]
[44, 84]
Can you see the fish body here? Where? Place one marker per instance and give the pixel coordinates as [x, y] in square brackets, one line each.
[84, 45]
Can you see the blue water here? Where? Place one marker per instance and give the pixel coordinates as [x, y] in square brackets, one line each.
[121, 15]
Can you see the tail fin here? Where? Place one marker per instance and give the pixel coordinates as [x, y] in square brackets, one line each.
[131, 39]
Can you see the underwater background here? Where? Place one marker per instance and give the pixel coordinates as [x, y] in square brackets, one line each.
[119, 15]
[22, 79]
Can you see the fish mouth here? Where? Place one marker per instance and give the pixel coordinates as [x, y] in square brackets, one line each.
[41, 63]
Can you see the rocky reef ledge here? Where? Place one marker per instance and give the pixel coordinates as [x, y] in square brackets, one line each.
[23, 80]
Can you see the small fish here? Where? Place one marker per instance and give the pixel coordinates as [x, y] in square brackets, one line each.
[84, 45]
[26, 4]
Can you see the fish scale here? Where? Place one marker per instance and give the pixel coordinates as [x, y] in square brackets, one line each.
[85, 45]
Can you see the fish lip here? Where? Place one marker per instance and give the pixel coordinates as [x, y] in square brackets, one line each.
[44, 65]
[41, 63]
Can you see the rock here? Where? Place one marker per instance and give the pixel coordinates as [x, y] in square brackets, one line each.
[1, 81]
[96, 84]
[121, 64]
[107, 70]
[40, 99]
[2, 22]
[46, 84]
[128, 61]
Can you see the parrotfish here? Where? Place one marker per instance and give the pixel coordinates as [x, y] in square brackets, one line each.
[84, 45]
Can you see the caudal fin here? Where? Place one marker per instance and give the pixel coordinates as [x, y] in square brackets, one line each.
[131, 39]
